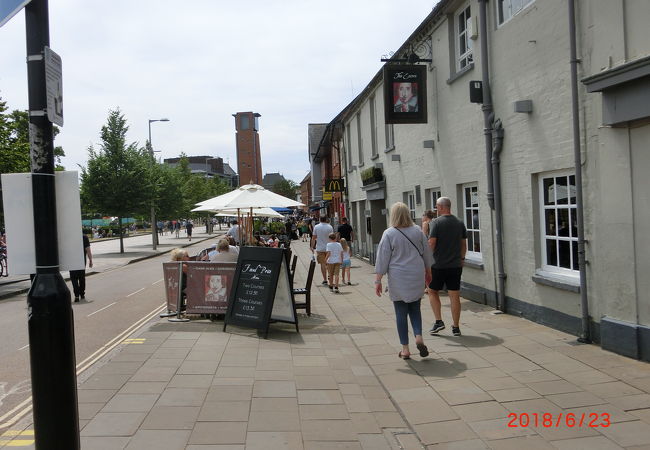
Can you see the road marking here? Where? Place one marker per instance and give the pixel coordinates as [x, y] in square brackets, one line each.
[134, 341]
[23, 347]
[18, 433]
[16, 442]
[133, 293]
[99, 310]
[83, 365]
[156, 282]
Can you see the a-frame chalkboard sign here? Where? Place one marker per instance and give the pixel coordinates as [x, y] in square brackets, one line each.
[261, 290]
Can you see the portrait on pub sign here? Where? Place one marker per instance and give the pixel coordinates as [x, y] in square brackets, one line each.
[405, 94]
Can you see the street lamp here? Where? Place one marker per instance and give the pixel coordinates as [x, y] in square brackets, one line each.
[154, 227]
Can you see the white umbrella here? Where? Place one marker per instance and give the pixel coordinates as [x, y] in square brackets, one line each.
[257, 212]
[249, 196]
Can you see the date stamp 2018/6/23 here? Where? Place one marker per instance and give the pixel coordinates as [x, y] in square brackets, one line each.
[569, 420]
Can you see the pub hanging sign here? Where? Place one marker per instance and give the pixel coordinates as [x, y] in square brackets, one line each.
[405, 93]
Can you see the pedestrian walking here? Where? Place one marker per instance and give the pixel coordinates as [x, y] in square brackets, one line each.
[448, 242]
[188, 229]
[347, 262]
[402, 255]
[334, 261]
[78, 277]
[319, 239]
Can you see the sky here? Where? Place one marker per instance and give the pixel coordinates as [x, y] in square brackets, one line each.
[199, 62]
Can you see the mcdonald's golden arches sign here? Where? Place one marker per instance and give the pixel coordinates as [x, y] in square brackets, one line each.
[335, 185]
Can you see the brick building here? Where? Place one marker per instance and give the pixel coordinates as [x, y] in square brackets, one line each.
[249, 158]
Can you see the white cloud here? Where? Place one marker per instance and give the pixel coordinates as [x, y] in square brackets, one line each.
[197, 63]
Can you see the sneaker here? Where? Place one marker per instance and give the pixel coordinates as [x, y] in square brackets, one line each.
[332, 288]
[349, 284]
[324, 282]
[437, 326]
[336, 290]
[455, 331]
[76, 299]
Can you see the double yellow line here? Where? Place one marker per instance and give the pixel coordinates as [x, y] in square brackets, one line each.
[25, 407]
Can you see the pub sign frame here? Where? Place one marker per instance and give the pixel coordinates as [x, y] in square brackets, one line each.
[405, 93]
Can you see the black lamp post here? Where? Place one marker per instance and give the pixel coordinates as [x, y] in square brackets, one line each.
[154, 226]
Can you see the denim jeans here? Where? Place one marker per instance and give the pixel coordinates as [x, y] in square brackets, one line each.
[412, 310]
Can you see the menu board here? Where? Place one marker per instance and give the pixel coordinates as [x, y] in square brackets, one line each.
[254, 289]
[172, 275]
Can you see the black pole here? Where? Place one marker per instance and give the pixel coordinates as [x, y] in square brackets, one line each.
[50, 320]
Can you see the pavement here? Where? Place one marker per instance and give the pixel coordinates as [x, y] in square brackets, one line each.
[107, 256]
[506, 383]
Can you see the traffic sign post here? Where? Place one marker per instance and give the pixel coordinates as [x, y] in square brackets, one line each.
[50, 322]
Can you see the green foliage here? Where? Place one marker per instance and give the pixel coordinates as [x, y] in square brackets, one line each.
[286, 188]
[117, 178]
[367, 174]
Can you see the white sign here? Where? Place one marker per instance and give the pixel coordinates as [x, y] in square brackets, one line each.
[9, 8]
[54, 86]
[19, 221]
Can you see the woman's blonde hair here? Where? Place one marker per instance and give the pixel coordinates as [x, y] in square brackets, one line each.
[178, 254]
[400, 216]
[344, 244]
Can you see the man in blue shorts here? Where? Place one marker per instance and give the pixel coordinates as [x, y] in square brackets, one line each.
[448, 241]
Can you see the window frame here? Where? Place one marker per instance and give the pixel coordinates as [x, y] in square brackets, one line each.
[501, 18]
[359, 140]
[433, 195]
[468, 54]
[471, 253]
[572, 238]
[390, 137]
[410, 202]
[348, 149]
[373, 128]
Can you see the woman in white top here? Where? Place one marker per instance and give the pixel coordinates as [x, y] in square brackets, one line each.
[403, 254]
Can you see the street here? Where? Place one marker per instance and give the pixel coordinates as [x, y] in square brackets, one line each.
[119, 299]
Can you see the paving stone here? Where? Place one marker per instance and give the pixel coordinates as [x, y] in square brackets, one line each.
[126, 367]
[154, 374]
[553, 387]
[530, 442]
[274, 388]
[314, 412]
[427, 411]
[612, 389]
[182, 397]
[105, 382]
[273, 440]
[224, 412]
[104, 443]
[374, 442]
[364, 423]
[319, 397]
[274, 375]
[586, 443]
[325, 445]
[190, 381]
[198, 368]
[143, 387]
[328, 430]
[95, 395]
[630, 402]
[274, 421]
[171, 418]
[218, 433]
[499, 383]
[475, 412]
[159, 439]
[498, 429]
[515, 394]
[274, 404]
[389, 419]
[131, 403]
[627, 434]
[88, 410]
[316, 382]
[452, 430]
[113, 424]
[229, 393]
[471, 444]
[413, 394]
[575, 399]
[533, 376]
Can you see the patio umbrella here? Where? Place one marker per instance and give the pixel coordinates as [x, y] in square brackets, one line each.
[257, 212]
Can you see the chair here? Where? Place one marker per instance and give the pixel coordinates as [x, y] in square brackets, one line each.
[292, 270]
[306, 291]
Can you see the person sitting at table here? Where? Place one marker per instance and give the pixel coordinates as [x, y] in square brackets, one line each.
[274, 241]
[180, 254]
[224, 253]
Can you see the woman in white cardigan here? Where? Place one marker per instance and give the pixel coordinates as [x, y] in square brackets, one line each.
[403, 255]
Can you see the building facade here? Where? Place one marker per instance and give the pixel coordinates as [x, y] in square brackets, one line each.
[523, 167]
[249, 158]
[208, 166]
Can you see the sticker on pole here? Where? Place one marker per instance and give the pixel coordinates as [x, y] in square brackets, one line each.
[54, 86]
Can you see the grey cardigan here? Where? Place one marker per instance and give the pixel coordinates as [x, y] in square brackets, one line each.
[398, 258]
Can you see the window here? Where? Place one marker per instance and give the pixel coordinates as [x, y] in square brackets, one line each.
[373, 127]
[463, 27]
[410, 201]
[390, 137]
[559, 223]
[507, 9]
[348, 145]
[244, 123]
[432, 197]
[471, 217]
[359, 140]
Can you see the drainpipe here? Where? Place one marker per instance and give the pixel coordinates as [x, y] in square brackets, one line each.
[487, 100]
[584, 301]
[498, 229]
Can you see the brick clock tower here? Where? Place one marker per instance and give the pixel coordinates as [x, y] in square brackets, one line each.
[249, 159]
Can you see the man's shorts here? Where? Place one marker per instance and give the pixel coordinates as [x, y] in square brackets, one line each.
[321, 257]
[446, 277]
[333, 269]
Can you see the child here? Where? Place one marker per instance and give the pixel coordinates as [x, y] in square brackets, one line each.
[334, 259]
[347, 263]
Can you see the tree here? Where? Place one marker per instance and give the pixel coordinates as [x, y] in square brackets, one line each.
[286, 188]
[118, 177]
